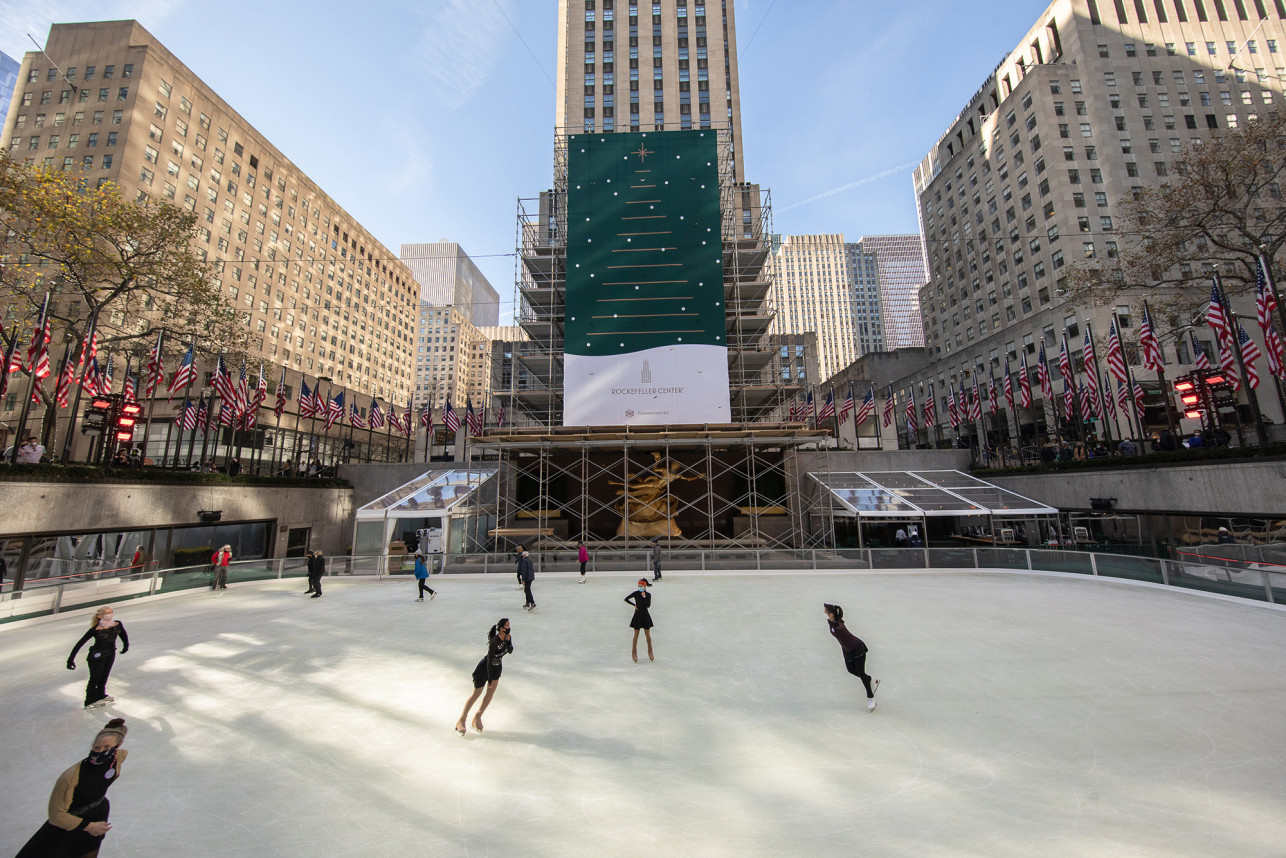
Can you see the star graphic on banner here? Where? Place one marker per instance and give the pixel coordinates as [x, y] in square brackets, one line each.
[643, 152]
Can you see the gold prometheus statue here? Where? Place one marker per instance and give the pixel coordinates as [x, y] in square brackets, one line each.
[646, 508]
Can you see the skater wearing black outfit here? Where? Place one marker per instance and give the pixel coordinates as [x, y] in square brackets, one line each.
[641, 599]
[656, 560]
[527, 572]
[422, 577]
[316, 569]
[522, 552]
[487, 673]
[854, 652]
[104, 629]
[78, 806]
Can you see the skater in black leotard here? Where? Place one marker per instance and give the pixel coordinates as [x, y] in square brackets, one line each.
[102, 654]
[487, 673]
[641, 599]
[854, 652]
[78, 806]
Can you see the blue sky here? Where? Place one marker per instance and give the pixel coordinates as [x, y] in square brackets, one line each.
[427, 119]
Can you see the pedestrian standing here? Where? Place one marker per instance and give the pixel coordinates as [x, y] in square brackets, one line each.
[582, 555]
[316, 569]
[136, 563]
[103, 630]
[219, 564]
[78, 805]
[422, 576]
[641, 599]
[854, 652]
[656, 559]
[487, 673]
[527, 572]
[31, 452]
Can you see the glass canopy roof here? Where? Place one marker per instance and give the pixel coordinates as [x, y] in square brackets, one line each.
[433, 494]
[916, 494]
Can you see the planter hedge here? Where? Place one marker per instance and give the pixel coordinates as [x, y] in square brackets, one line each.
[81, 473]
[1203, 456]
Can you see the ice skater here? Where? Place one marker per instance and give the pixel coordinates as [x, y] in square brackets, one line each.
[582, 556]
[219, 565]
[854, 652]
[527, 572]
[522, 552]
[656, 559]
[104, 629]
[316, 569]
[487, 673]
[422, 577]
[641, 599]
[78, 806]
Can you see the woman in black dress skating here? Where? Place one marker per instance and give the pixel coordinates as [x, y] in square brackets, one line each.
[487, 673]
[103, 629]
[641, 599]
[854, 652]
[78, 806]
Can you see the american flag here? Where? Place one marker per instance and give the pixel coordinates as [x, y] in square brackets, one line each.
[1065, 369]
[394, 418]
[794, 410]
[1085, 401]
[1228, 361]
[334, 411]
[1265, 305]
[62, 388]
[993, 401]
[1009, 385]
[911, 425]
[1091, 373]
[88, 360]
[243, 390]
[376, 414]
[256, 400]
[355, 416]
[187, 415]
[1123, 397]
[227, 413]
[1108, 400]
[888, 407]
[155, 367]
[130, 391]
[408, 426]
[953, 416]
[1249, 357]
[306, 407]
[930, 408]
[279, 407]
[500, 416]
[810, 409]
[426, 416]
[471, 418]
[1276, 352]
[1069, 403]
[185, 374]
[1115, 355]
[10, 355]
[89, 380]
[866, 409]
[38, 349]
[1138, 399]
[1215, 316]
[1152, 357]
[828, 407]
[1199, 355]
[222, 382]
[1024, 383]
[1042, 375]
[203, 414]
[975, 408]
[105, 380]
[449, 418]
[848, 406]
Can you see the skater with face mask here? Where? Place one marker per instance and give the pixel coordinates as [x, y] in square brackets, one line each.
[487, 673]
[104, 630]
[854, 652]
[641, 599]
[78, 806]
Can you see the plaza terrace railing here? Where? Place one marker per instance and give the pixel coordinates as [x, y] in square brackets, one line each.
[1261, 584]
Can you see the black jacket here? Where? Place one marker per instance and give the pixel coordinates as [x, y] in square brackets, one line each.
[527, 569]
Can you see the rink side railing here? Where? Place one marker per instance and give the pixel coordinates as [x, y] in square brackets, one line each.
[1261, 584]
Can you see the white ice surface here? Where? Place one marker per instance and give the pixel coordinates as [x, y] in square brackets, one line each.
[1018, 716]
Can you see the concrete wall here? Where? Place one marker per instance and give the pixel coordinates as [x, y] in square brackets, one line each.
[1236, 488]
[78, 507]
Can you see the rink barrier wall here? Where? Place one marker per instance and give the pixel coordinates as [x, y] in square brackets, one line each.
[1266, 585]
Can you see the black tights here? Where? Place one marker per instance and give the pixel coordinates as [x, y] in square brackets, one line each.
[526, 588]
[100, 667]
[424, 587]
[856, 665]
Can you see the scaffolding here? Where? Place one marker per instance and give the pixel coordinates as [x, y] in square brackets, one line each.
[534, 392]
[725, 487]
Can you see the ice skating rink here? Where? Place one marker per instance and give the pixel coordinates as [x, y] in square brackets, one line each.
[1019, 715]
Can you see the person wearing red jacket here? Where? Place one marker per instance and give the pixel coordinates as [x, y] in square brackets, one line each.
[219, 562]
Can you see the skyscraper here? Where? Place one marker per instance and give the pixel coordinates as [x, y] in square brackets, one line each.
[902, 271]
[813, 291]
[449, 278]
[9, 69]
[603, 56]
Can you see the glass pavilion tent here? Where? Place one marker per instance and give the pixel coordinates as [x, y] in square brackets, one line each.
[459, 502]
[974, 510]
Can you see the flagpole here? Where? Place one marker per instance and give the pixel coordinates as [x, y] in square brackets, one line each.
[31, 383]
[198, 421]
[151, 401]
[388, 433]
[187, 394]
[1165, 389]
[1234, 329]
[1272, 284]
[62, 368]
[75, 402]
[1129, 380]
[1098, 374]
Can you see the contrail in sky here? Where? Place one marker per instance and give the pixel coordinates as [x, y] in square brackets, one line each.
[842, 188]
